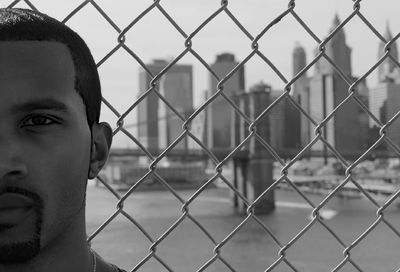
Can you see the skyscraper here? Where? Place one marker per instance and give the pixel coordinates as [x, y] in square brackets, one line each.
[387, 69]
[387, 77]
[347, 129]
[219, 112]
[301, 92]
[384, 100]
[159, 126]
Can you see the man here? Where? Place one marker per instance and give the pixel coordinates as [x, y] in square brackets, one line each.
[51, 142]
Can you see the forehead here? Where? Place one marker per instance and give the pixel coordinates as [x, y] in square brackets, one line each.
[35, 59]
[34, 70]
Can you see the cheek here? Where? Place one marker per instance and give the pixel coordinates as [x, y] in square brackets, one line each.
[72, 168]
[63, 182]
[71, 182]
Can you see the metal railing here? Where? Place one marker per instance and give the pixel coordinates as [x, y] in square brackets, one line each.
[253, 41]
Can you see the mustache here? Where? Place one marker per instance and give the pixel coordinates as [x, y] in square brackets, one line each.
[38, 201]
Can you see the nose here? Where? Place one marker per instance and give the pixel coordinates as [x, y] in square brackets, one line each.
[12, 171]
[12, 166]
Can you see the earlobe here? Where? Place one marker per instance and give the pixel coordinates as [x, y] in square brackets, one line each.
[101, 144]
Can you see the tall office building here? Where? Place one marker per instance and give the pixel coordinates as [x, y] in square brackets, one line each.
[301, 92]
[384, 100]
[320, 94]
[387, 77]
[387, 69]
[159, 126]
[219, 112]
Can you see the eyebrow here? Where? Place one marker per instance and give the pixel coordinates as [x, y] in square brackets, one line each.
[41, 104]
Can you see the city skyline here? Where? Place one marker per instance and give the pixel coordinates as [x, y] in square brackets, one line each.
[119, 74]
[306, 90]
[319, 22]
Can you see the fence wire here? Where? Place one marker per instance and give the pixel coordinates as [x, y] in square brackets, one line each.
[187, 38]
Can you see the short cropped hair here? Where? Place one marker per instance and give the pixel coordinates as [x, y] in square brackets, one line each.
[28, 25]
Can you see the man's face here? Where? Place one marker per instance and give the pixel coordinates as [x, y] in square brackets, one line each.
[44, 148]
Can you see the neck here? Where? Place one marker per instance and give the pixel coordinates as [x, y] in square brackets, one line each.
[67, 252]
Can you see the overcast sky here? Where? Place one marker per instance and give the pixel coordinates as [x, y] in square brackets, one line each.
[154, 37]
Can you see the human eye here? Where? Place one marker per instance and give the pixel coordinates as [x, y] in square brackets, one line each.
[38, 120]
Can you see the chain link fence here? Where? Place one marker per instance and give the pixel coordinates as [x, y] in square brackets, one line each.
[282, 260]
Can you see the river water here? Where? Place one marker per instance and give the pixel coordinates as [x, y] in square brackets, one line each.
[251, 248]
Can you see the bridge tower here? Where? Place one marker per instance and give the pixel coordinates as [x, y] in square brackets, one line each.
[253, 170]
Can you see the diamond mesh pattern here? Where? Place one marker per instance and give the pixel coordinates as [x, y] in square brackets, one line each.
[282, 258]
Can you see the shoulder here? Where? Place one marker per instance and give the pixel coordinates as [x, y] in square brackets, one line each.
[103, 266]
[118, 269]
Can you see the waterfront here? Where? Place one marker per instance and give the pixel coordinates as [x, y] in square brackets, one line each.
[251, 248]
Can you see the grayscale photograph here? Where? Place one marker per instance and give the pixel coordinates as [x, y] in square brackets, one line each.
[199, 135]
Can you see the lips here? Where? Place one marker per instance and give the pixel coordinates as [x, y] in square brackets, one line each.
[9, 201]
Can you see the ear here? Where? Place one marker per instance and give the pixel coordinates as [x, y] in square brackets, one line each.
[101, 143]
